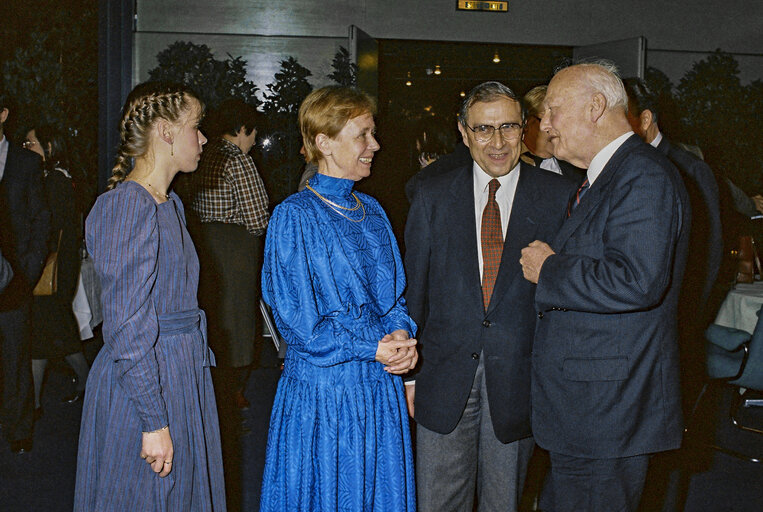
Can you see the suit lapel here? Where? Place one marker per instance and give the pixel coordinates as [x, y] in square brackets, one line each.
[522, 229]
[595, 194]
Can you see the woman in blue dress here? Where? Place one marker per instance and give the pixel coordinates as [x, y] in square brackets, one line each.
[339, 437]
[149, 438]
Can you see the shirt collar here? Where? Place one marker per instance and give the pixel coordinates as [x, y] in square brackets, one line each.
[551, 164]
[603, 156]
[482, 179]
[3, 154]
[656, 141]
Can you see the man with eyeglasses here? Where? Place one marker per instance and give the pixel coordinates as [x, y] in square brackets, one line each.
[465, 230]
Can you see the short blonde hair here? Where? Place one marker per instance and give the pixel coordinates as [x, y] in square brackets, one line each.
[326, 111]
[533, 100]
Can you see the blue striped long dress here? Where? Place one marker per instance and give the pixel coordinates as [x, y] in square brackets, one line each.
[153, 369]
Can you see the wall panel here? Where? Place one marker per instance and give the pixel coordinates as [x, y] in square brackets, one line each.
[693, 26]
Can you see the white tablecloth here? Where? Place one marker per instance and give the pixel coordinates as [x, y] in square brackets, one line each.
[740, 308]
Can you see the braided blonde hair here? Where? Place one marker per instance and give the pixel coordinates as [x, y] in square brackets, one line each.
[147, 103]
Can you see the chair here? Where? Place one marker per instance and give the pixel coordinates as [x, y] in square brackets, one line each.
[736, 358]
[278, 342]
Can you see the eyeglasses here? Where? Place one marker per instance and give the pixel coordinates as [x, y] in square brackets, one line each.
[485, 132]
[28, 144]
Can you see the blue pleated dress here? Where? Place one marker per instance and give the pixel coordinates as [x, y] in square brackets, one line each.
[153, 369]
[339, 437]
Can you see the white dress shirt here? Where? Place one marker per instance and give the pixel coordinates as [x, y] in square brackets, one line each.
[656, 141]
[551, 164]
[3, 155]
[603, 156]
[504, 196]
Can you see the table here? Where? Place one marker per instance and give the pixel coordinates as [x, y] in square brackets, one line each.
[740, 307]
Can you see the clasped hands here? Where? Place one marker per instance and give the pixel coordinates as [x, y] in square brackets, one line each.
[533, 257]
[397, 352]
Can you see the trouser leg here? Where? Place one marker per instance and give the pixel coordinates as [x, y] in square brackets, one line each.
[502, 467]
[17, 374]
[451, 467]
[592, 485]
[446, 464]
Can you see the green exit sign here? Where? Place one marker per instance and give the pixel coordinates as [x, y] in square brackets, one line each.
[467, 5]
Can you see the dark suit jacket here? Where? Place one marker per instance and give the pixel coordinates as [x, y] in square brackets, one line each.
[706, 238]
[458, 158]
[605, 362]
[444, 297]
[6, 273]
[24, 223]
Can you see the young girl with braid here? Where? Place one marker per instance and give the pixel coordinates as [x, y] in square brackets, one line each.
[149, 438]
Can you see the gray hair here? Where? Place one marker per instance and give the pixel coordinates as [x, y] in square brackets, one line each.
[486, 92]
[602, 76]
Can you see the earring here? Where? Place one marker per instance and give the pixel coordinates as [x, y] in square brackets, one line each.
[172, 149]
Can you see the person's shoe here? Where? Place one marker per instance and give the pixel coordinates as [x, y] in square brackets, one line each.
[240, 400]
[21, 446]
[74, 397]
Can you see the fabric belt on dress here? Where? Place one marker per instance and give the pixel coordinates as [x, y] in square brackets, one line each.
[181, 322]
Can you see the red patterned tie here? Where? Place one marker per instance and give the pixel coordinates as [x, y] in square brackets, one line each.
[574, 202]
[491, 237]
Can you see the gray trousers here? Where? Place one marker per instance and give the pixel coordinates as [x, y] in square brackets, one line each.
[450, 467]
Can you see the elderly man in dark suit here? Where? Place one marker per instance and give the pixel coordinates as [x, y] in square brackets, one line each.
[24, 224]
[605, 362]
[465, 230]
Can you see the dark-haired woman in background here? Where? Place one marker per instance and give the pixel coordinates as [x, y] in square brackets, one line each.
[54, 328]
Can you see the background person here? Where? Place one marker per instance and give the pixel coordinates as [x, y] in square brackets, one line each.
[54, 329]
[24, 223]
[6, 272]
[232, 206]
[149, 409]
[705, 238]
[538, 141]
[339, 437]
[435, 137]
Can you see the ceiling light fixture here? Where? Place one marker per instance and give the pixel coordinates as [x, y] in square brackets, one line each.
[496, 57]
[408, 82]
[437, 70]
